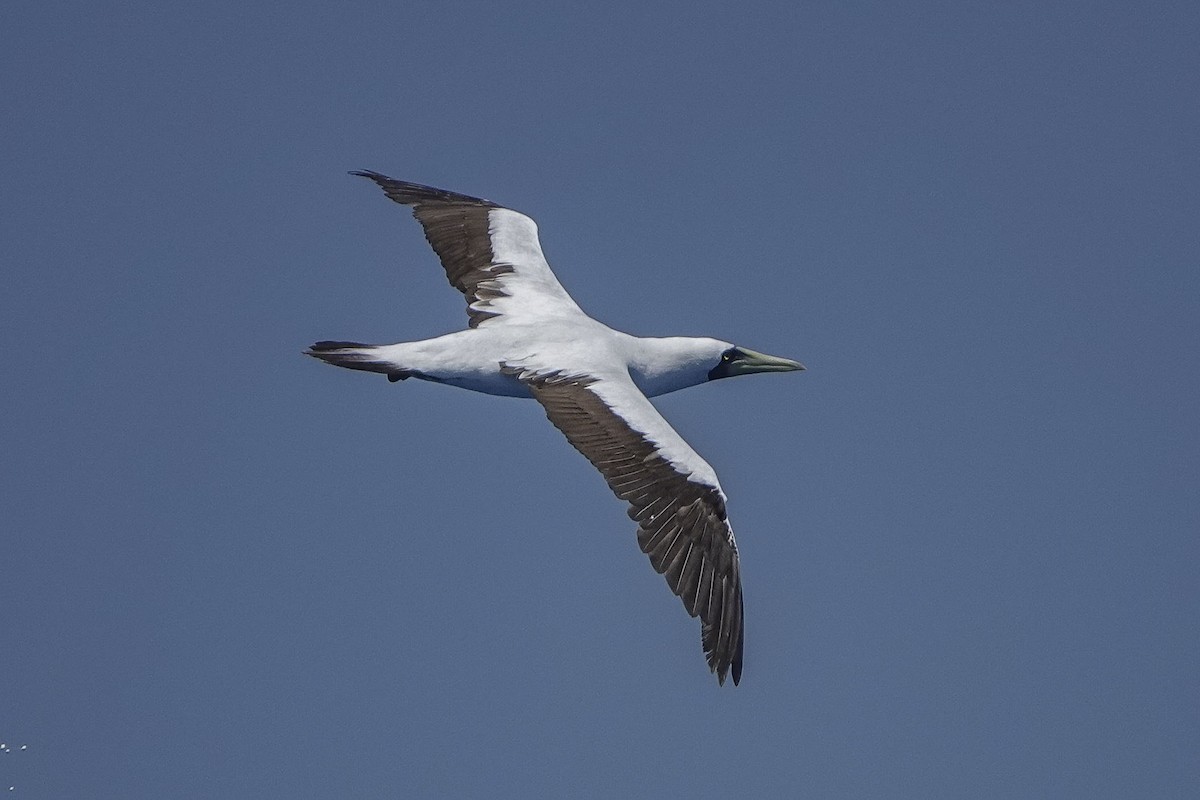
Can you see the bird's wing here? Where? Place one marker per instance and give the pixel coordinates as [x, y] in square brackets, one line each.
[491, 254]
[673, 495]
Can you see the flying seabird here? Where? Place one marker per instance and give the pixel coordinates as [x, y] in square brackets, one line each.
[526, 337]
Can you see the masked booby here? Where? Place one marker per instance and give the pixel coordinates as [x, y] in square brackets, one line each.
[526, 337]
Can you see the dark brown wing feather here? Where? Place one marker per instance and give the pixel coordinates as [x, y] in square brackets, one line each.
[456, 227]
[682, 525]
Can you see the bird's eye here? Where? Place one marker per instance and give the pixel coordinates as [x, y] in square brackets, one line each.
[727, 355]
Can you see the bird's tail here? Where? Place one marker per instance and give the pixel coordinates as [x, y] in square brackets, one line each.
[356, 355]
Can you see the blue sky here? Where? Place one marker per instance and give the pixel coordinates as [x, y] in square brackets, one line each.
[968, 532]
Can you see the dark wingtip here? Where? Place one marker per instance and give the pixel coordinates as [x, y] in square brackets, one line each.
[721, 661]
[415, 194]
[741, 643]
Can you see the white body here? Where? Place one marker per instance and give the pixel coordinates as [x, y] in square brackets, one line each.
[472, 359]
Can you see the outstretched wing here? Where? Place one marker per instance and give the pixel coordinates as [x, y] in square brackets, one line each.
[673, 495]
[490, 253]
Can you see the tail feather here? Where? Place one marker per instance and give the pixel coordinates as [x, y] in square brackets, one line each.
[356, 355]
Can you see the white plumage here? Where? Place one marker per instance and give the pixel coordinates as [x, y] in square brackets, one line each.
[528, 338]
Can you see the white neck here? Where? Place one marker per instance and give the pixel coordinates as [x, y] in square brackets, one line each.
[661, 365]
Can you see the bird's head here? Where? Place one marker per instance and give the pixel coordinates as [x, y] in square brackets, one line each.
[742, 361]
